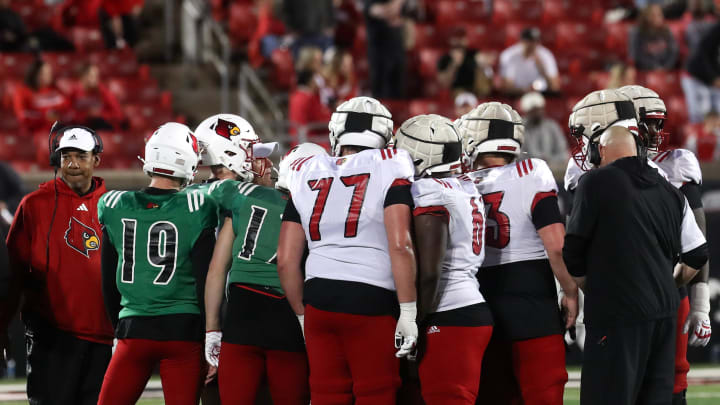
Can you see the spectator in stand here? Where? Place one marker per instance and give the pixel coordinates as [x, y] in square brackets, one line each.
[118, 22]
[464, 103]
[337, 81]
[94, 105]
[307, 114]
[698, 19]
[269, 34]
[621, 75]
[40, 103]
[463, 68]
[310, 22]
[309, 58]
[386, 47]
[528, 66]
[704, 142]
[346, 22]
[77, 13]
[651, 44]
[701, 84]
[12, 29]
[544, 138]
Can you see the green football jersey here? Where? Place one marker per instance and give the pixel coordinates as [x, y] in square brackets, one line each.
[222, 191]
[256, 219]
[153, 235]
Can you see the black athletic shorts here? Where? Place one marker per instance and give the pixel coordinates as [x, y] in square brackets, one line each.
[629, 364]
[261, 316]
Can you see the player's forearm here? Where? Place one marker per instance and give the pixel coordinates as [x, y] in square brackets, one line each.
[431, 234]
[217, 274]
[291, 247]
[291, 281]
[403, 264]
[704, 273]
[553, 238]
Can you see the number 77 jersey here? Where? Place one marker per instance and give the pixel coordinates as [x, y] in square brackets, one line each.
[341, 202]
[511, 194]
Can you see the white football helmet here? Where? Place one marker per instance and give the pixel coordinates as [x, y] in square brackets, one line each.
[491, 127]
[172, 151]
[651, 114]
[433, 143]
[217, 147]
[592, 116]
[360, 121]
[304, 150]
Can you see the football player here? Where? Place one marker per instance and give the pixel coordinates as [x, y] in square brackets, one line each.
[158, 243]
[683, 171]
[261, 337]
[353, 210]
[525, 359]
[449, 223]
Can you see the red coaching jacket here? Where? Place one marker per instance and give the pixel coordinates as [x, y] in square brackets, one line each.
[66, 290]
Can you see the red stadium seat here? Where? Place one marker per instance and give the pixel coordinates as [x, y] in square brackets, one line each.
[512, 33]
[528, 12]
[15, 65]
[429, 58]
[87, 40]
[484, 37]
[452, 12]
[283, 70]
[64, 64]
[360, 42]
[116, 63]
[8, 122]
[242, 23]
[579, 60]
[556, 109]
[427, 36]
[616, 39]
[665, 83]
[677, 111]
[398, 109]
[576, 85]
[134, 90]
[423, 106]
[578, 35]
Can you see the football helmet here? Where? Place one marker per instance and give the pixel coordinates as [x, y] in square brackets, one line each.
[218, 148]
[172, 151]
[491, 127]
[360, 121]
[304, 150]
[594, 114]
[433, 143]
[651, 114]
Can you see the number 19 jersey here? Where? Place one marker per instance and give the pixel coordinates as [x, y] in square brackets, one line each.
[153, 235]
[341, 202]
[511, 193]
[459, 202]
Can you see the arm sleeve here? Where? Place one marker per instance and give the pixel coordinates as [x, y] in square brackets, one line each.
[693, 193]
[690, 235]
[541, 195]
[111, 295]
[200, 257]
[399, 172]
[697, 257]
[291, 214]
[546, 210]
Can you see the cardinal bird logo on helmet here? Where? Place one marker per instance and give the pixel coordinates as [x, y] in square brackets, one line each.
[226, 129]
[81, 237]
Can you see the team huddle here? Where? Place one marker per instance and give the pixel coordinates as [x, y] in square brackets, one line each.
[440, 243]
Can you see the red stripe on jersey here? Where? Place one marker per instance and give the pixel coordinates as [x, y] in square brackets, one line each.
[541, 196]
[382, 153]
[530, 164]
[664, 157]
[524, 166]
[400, 182]
[436, 210]
[390, 153]
[517, 165]
[243, 286]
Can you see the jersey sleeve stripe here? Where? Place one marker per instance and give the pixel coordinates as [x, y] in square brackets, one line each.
[243, 188]
[189, 200]
[540, 196]
[530, 164]
[664, 157]
[116, 198]
[202, 198]
[251, 189]
[382, 153]
[517, 166]
[435, 210]
[524, 166]
[107, 196]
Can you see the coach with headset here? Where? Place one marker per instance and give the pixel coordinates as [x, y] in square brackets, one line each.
[54, 246]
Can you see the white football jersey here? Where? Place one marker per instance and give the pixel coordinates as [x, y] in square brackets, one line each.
[341, 205]
[510, 193]
[573, 174]
[680, 165]
[463, 205]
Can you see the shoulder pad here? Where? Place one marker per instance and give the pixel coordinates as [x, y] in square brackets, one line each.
[403, 166]
[681, 165]
[428, 192]
[572, 175]
[195, 200]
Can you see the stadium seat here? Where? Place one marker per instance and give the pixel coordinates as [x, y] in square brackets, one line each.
[8, 122]
[453, 12]
[576, 85]
[428, 58]
[569, 35]
[87, 40]
[283, 70]
[528, 12]
[15, 65]
[64, 64]
[242, 23]
[665, 83]
[398, 109]
[556, 109]
[513, 31]
[677, 114]
[427, 35]
[116, 62]
[485, 37]
[423, 106]
[134, 89]
[616, 39]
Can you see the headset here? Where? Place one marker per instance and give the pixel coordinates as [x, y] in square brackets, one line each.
[56, 133]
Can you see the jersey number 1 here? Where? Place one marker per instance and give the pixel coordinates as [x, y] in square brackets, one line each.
[359, 183]
[161, 250]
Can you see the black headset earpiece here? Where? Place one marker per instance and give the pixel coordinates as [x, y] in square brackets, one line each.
[594, 153]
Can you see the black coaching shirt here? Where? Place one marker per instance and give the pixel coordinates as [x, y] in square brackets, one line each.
[628, 228]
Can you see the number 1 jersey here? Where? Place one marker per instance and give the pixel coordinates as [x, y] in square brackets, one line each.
[153, 235]
[511, 194]
[341, 202]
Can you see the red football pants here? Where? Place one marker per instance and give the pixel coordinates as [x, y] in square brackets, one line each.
[182, 370]
[681, 343]
[529, 372]
[451, 364]
[242, 368]
[351, 356]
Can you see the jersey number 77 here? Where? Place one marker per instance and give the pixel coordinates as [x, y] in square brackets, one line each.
[359, 183]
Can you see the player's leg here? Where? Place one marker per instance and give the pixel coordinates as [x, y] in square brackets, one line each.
[682, 367]
[54, 365]
[660, 371]
[498, 385]
[368, 344]
[129, 371]
[539, 366]
[182, 371]
[330, 380]
[451, 364]
[240, 373]
[288, 374]
[96, 360]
